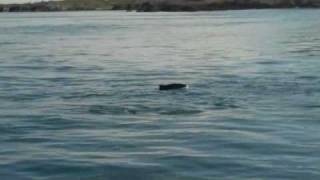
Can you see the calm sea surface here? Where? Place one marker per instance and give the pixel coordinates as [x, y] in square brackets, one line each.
[79, 98]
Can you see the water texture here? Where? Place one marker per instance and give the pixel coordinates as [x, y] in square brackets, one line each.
[79, 98]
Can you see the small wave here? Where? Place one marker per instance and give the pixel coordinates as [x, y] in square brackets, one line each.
[57, 79]
[181, 112]
[20, 139]
[271, 62]
[55, 122]
[306, 52]
[308, 77]
[81, 54]
[7, 43]
[85, 95]
[64, 68]
[26, 97]
[102, 109]
[68, 167]
[312, 106]
[7, 129]
[224, 105]
[220, 103]
[26, 67]
[229, 76]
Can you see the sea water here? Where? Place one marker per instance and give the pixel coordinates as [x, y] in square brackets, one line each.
[79, 95]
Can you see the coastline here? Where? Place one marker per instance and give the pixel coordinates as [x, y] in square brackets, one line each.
[156, 5]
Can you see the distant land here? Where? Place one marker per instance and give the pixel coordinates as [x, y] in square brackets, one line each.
[156, 5]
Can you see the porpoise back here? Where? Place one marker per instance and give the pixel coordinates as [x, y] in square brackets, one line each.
[166, 87]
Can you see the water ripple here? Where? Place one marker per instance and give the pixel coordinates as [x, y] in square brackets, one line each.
[80, 100]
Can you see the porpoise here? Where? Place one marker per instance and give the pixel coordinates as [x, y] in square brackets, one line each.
[166, 87]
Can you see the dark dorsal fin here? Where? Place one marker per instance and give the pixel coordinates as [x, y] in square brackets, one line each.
[166, 87]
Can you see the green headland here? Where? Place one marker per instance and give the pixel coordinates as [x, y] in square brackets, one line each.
[157, 5]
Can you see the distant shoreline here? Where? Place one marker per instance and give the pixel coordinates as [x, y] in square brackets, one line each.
[123, 10]
[155, 6]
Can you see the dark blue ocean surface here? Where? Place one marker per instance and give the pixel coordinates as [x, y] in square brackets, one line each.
[79, 98]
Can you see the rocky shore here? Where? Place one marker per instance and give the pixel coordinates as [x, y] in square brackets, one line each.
[157, 5]
[207, 5]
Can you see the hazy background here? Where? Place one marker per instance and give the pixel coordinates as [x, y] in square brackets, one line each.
[17, 1]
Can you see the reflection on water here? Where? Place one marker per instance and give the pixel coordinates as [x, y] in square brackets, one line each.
[79, 96]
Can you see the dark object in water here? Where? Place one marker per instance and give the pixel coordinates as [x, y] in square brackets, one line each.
[174, 86]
